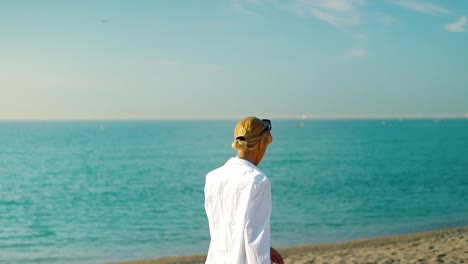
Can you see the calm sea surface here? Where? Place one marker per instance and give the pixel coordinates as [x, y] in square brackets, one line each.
[100, 191]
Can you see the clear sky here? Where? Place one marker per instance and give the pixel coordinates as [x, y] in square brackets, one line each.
[230, 58]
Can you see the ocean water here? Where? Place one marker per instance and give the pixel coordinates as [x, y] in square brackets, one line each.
[101, 191]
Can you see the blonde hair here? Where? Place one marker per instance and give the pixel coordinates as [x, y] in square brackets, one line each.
[247, 133]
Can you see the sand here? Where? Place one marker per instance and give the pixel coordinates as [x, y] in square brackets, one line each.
[443, 246]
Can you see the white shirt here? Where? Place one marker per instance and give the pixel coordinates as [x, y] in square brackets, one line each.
[238, 207]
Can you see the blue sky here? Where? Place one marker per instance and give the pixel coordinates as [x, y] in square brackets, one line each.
[218, 59]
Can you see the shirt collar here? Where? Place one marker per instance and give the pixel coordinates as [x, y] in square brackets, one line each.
[238, 160]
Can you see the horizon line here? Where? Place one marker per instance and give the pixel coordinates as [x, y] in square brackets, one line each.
[237, 117]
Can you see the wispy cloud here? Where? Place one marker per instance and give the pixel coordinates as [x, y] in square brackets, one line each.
[422, 7]
[357, 53]
[335, 12]
[387, 20]
[245, 6]
[458, 26]
[433, 9]
[342, 14]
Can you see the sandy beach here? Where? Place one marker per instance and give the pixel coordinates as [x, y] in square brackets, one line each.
[442, 246]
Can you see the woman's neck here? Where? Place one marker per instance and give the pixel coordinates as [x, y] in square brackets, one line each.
[251, 156]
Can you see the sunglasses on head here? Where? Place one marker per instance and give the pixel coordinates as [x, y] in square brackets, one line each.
[267, 124]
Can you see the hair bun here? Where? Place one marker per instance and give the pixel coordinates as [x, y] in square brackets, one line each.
[241, 138]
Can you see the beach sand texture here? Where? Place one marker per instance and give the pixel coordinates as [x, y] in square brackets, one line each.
[443, 246]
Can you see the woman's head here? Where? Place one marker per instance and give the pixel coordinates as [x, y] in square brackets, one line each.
[250, 131]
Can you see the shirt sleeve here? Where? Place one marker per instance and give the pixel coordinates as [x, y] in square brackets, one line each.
[257, 225]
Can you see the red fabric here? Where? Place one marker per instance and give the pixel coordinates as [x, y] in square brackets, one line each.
[275, 257]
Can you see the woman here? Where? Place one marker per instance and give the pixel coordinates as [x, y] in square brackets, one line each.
[238, 200]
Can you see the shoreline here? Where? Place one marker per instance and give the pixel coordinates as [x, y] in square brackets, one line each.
[439, 246]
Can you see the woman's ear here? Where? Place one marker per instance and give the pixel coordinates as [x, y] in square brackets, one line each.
[262, 143]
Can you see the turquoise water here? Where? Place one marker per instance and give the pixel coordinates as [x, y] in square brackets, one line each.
[100, 191]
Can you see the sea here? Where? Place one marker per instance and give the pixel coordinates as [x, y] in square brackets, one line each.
[93, 192]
